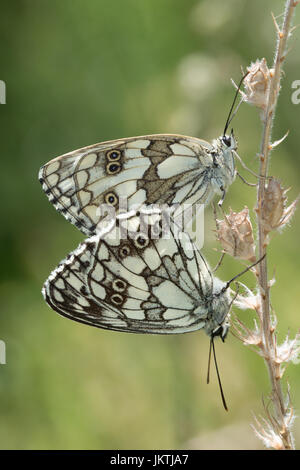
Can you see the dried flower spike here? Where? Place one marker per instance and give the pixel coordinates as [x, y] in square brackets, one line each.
[257, 84]
[235, 234]
[274, 214]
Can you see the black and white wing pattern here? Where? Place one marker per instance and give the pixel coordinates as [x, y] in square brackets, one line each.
[153, 169]
[139, 285]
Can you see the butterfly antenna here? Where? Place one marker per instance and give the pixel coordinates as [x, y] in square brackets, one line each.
[219, 262]
[235, 297]
[212, 347]
[243, 272]
[231, 114]
[209, 359]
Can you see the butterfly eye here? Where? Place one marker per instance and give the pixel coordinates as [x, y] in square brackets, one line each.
[217, 331]
[113, 168]
[113, 155]
[226, 140]
[117, 299]
[119, 285]
[141, 241]
[124, 251]
[111, 199]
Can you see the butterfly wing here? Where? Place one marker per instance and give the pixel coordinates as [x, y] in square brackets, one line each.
[160, 286]
[152, 169]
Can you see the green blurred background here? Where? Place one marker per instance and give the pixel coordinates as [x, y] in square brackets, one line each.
[79, 72]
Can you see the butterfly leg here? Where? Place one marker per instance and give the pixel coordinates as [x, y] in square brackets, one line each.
[220, 202]
[245, 181]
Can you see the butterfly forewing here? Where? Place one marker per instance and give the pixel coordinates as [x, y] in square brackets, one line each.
[152, 169]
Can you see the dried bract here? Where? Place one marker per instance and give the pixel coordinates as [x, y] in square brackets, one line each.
[257, 84]
[289, 350]
[268, 435]
[274, 214]
[235, 234]
[251, 301]
[250, 337]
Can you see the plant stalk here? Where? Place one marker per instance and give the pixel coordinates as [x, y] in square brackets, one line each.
[269, 339]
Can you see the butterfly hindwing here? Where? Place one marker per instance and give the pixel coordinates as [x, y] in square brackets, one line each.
[152, 169]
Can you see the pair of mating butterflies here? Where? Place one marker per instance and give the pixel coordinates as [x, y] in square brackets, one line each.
[139, 284]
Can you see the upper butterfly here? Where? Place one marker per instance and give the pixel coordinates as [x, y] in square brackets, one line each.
[152, 169]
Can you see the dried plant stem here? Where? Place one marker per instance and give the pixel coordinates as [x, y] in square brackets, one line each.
[269, 340]
[235, 233]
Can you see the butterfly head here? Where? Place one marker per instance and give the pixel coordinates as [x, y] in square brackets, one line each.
[219, 306]
[222, 153]
[228, 142]
[221, 330]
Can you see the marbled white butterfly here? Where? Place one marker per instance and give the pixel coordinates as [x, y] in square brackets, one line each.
[140, 284]
[153, 169]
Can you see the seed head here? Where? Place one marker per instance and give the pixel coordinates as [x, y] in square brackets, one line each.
[257, 84]
[235, 234]
[275, 214]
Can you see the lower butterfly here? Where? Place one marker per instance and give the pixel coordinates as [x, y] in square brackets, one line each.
[152, 281]
[140, 284]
